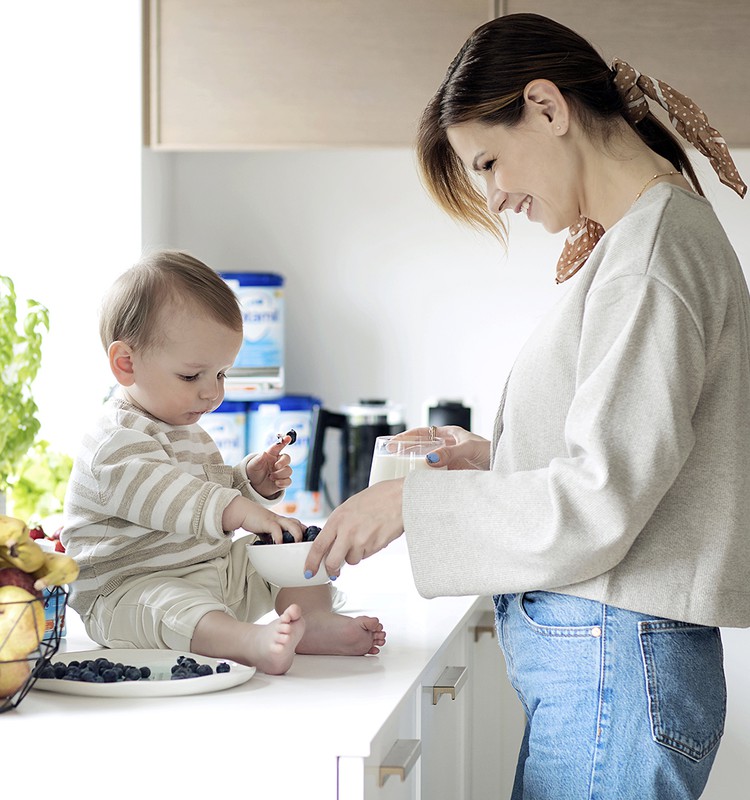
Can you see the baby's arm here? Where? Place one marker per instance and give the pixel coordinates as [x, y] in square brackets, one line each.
[251, 516]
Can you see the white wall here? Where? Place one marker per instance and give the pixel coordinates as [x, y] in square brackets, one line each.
[71, 184]
[386, 296]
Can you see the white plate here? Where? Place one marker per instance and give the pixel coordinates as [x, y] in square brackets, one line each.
[158, 685]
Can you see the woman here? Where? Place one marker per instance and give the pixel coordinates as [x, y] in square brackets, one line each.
[608, 514]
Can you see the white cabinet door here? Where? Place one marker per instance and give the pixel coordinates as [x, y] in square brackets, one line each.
[363, 779]
[444, 723]
[497, 717]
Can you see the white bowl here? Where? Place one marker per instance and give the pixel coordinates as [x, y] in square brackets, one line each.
[284, 564]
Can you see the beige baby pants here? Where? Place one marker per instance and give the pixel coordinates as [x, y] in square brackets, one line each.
[161, 610]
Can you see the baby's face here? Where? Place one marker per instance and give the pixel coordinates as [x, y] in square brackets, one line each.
[183, 378]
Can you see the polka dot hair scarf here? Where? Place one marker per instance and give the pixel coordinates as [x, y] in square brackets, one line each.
[688, 120]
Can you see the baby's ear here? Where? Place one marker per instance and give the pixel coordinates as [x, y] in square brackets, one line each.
[121, 363]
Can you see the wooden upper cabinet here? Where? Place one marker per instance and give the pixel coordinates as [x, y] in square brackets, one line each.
[241, 74]
[700, 48]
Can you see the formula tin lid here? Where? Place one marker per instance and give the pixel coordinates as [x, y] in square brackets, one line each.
[289, 402]
[254, 278]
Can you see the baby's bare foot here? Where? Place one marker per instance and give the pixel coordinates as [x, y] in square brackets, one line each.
[274, 644]
[328, 633]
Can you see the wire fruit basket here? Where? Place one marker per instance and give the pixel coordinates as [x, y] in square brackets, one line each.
[55, 603]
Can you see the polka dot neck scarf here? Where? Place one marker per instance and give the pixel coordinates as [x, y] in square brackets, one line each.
[688, 120]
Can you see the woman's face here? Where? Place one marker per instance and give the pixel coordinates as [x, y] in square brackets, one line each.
[524, 167]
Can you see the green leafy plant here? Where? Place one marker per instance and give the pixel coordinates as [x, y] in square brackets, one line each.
[37, 488]
[20, 359]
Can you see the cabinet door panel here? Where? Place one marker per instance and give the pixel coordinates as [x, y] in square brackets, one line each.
[497, 719]
[359, 779]
[284, 73]
[699, 48]
[444, 725]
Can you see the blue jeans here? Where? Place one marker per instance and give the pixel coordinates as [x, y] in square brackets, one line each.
[619, 705]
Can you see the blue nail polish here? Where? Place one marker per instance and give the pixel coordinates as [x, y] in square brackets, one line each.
[308, 573]
[433, 458]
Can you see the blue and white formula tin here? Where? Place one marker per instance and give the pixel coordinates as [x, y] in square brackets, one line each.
[266, 419]
[227, 426]
[258, 371]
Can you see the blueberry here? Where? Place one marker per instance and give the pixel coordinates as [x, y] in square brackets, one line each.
[145, 672]
[263, 538]
[292, 434]
[132, 674]
[180, 674]
[87, 676]
[60, 669]
[287, 538]
[47, 672]
[222, 666]
[311, 533]
[108, 675]
[204, 669]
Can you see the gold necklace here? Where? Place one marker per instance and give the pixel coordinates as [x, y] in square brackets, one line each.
[653, 178]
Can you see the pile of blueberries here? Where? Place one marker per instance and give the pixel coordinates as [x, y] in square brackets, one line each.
[309, 535]
[102, 670]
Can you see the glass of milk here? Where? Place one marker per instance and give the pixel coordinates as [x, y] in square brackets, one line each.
[395, 456]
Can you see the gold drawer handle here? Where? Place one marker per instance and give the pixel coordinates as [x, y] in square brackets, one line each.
[400, 759]
[450, 682]
[486, 624]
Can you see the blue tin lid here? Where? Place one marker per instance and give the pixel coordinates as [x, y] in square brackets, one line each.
[254, 278]
[289, 402]
[231, 407]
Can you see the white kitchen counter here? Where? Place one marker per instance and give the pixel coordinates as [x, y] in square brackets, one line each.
[283, 733]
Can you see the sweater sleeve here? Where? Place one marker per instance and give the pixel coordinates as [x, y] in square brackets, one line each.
[627, 433]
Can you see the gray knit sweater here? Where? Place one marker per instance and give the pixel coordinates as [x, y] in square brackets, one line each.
[621, 457]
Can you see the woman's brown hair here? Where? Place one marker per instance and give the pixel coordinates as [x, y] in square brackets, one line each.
[485, 83]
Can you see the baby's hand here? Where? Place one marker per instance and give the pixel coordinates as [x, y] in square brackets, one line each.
[251, 516]
[270, 472]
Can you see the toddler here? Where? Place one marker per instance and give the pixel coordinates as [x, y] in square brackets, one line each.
[151, 509]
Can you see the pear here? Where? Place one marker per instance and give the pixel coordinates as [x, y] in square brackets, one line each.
[13, 674]
[21, 622]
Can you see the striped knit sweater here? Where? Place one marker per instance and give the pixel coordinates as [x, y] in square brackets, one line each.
[145, 496]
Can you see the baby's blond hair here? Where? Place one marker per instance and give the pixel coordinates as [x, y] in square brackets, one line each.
[131, 310]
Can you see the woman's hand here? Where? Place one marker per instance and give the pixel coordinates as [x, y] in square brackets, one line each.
[462, 450]
[358, 528]
[271, 471]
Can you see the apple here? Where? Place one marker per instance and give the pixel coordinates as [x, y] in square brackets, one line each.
[13, 674]
[12, 576]
[21, 622]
